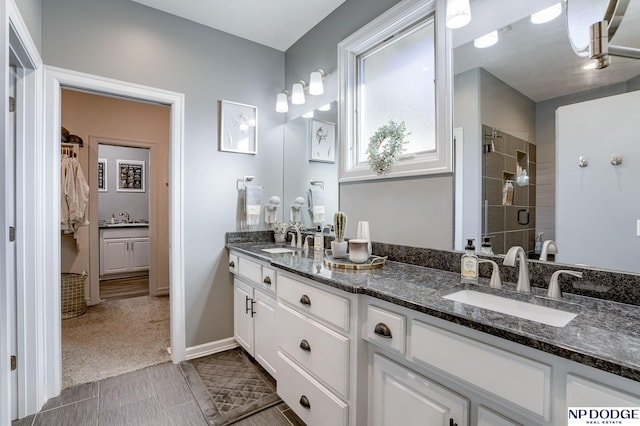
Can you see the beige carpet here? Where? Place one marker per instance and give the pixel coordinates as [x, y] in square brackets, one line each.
[115, 337]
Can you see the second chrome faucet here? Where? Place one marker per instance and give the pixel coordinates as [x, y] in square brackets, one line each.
[515, 253]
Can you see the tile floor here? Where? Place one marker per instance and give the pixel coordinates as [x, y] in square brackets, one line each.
[157, 395]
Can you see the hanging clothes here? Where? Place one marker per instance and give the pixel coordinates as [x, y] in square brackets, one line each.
[74, 193]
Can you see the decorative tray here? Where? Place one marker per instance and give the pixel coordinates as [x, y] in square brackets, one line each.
[344, 263]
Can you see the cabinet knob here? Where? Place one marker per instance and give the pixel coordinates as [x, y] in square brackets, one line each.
[304, 401]
[305, 300]
[232, 264]
[381, 329]
[305, 346]
[267, 280]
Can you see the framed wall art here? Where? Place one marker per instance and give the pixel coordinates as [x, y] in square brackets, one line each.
[102, 175]
[131, 176]
[238, 127]
[322, 142]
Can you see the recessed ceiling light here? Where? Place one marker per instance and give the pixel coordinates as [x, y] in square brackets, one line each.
[548, 14]
[486, 40]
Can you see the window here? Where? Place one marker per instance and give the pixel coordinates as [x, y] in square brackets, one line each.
[394, 69]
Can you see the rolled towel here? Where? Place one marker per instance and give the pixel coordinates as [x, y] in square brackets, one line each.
[252, 204]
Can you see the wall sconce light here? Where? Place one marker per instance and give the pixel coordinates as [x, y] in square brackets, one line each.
[315, 82]
[282, 104]
[297, 92]
[458, 13]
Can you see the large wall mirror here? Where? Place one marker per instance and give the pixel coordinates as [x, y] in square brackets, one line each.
[311, 163]
[563, 133]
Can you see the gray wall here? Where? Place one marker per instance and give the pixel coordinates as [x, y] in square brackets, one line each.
[31, 12]
[112, 201]
[378, 202]
[124, 40]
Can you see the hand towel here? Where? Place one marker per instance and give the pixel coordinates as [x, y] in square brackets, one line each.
[316, 204]
[252, 204]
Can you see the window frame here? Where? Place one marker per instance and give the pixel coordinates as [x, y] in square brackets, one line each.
[398, 19]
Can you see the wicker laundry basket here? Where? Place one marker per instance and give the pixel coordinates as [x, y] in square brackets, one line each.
[72, 292]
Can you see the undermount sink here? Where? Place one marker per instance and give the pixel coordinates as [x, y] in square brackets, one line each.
[516, 308]
[278, 250]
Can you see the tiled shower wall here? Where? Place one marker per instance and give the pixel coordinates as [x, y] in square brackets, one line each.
[508, 225]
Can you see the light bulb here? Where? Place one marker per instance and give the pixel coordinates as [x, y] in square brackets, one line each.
[282, 105]
[486, 40]
[315, 83]
[297, 93]
[458, 13]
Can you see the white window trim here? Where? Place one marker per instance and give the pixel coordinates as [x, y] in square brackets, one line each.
[399, 17]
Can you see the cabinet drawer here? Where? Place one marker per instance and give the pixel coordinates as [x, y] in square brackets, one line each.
[268, 281]
[233, 263]
[582, 392]
[324, 305]
[477, 363]
[250, 270]
[320, 350]
[311, 401]
[386, 329]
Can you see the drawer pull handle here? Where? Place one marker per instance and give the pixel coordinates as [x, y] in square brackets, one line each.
[253, 313]
[305, 346]
[267, 280]
[381, 329]
[452, 423]
[304, 401]
[246, 304]
[305, 300]
[232, 264]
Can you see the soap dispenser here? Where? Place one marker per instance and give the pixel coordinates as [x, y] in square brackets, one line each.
[486, 248]
[318, 240]
[469, 264]
[538, 246]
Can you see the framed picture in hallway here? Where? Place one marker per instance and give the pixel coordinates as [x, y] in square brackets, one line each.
[322, 142]
[131, 175]
[102, 175]
[238, 127]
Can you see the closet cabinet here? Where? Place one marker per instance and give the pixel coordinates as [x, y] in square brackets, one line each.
[124, 250]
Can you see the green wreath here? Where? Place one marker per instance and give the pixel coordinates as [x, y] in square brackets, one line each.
[385, 146]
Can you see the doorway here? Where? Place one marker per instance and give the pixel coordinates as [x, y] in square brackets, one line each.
[129, 186]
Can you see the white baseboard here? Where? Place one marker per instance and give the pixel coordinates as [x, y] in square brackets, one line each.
[211, 348]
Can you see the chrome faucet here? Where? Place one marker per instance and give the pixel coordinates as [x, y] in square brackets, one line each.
[524, 284]
[548, 247]
[126, 217]
[554, 291]
[295, 242]
[496, 281]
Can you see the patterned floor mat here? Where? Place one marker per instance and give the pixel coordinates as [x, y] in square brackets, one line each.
[229, 386]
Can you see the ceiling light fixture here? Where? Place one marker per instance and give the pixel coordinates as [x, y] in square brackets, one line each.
[282, 104]
[458, 13]
[486, 40]
[297, 92]
[315, 82]
[548, 14]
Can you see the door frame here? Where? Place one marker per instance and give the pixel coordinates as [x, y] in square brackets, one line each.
[15, 37]
[54, 80]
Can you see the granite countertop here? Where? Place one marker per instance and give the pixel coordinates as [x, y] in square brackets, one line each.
[604, 335]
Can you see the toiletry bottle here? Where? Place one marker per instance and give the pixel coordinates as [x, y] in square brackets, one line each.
[469, 264]
[318, 241]
[486, 248]
[538, 247]
[113, 218]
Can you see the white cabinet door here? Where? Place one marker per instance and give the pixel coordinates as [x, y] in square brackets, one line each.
[243, 315]
[115, 255]
[139, 255]
[266, 344]
[400, 396]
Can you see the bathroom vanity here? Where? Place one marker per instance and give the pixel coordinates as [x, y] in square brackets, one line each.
[386, 346]
[124, 249]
